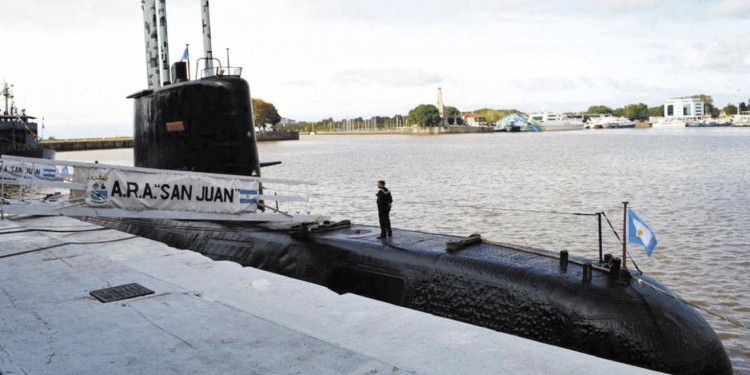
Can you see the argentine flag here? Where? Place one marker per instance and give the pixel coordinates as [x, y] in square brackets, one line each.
[640, 234]
[248, 196]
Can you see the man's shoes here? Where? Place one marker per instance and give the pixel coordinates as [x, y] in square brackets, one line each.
[381, 237]
[390, 234]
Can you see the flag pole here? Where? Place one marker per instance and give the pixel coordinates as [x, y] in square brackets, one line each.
[188, 60]
[624, 234]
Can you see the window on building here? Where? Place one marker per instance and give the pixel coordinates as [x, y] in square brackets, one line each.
[670, 110]
[686, 110]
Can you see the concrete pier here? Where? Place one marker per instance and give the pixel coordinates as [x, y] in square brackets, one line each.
[208, 317]
[83, 144]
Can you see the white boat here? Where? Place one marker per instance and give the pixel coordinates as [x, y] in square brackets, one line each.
[611, 122]
[669, 123]
[555, 121]
[741, 120]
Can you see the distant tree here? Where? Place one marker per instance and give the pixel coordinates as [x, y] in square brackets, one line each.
[743, 107]
[264, 113]
[424, 115]
[635, 111]
[599, 109]
[708, 103]
[656, 111]
[492, 115]
[453, 115]
[730, 109]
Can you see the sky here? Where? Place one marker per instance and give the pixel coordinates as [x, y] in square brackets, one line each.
[73, 62]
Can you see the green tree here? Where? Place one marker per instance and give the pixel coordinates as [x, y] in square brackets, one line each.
[635, 111]
[492, 115]
[730, 109]
[599, 109]
[656, 111]
[708, 103]
[424, 115]
[454, 116]
[264, 113]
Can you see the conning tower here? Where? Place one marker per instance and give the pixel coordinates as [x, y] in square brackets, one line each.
[204, 124]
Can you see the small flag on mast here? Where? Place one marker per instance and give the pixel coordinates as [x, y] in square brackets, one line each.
[185, 55]
[640, 234]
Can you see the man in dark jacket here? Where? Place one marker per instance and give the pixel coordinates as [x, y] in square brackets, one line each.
[384, 210]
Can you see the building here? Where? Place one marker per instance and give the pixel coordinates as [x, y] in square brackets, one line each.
[684, 106]
[473, 119]
[441, 108]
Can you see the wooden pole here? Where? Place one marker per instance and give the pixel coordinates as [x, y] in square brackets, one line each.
[187, 47]
[624, 234]
[599, 218]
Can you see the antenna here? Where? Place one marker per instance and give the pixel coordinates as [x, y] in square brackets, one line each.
[207, 36]
[164, 42]
[152, 44]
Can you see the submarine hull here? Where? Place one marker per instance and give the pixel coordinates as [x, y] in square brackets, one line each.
[525, 293]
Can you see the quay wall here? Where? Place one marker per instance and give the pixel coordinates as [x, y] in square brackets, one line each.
[418, 130]
[83, 144]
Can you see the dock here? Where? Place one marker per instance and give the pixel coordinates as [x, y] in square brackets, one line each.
[209, 317]
[84, 144]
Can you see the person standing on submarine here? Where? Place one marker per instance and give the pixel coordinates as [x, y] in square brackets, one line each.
[384, 210]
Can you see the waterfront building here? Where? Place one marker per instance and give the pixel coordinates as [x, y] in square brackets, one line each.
[473, 119]
[683, 107]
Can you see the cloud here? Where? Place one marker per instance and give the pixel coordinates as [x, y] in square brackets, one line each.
[392, 76]
[731, 55]
[733, 8]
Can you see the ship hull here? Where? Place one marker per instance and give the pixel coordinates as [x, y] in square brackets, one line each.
[525, 293]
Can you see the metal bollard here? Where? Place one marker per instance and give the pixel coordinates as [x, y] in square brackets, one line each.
[614, 269]
[587, 272]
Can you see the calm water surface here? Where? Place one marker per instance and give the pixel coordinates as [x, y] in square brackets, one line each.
[692, 186]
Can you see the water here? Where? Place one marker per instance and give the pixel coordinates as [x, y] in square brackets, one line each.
[692, 186]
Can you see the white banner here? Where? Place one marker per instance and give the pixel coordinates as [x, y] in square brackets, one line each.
[142, 191]
[14, 169]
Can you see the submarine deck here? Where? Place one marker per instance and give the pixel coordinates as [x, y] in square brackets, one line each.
[217, 317]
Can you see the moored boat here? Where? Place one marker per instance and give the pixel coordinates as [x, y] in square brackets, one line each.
[19, 135]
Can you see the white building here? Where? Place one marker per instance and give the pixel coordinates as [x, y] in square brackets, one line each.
[684, 106]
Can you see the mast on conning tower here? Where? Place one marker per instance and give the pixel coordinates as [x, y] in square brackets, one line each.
[164, 43]
[207, 37]
[152, 45]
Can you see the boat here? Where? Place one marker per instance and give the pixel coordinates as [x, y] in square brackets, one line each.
[741, 120]
[598, 307]
[555, 121]
[19, 135]
[517, 122]
[669, 123]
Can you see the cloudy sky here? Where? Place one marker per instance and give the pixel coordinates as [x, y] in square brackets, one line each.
[74, 61]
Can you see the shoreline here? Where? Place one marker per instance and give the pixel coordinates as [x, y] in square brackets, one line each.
[104, 143]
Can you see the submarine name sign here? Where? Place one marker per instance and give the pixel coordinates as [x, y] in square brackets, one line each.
[133, 190]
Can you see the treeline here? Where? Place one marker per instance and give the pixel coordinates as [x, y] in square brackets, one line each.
[641, 111]
[428, 115]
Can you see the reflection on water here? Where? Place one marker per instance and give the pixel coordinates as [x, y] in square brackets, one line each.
[692, 186]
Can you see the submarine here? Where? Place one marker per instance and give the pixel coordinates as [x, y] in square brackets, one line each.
[596, 307]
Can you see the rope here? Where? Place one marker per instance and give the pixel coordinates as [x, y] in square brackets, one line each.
[443, 204]
[613, 228]
[619, 240]
[733, 321]
[52, 230]
[65, 243]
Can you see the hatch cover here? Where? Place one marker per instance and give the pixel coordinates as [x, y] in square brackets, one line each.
[121, 292]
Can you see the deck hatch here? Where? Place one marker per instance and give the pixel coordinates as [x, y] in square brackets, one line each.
[120, 292]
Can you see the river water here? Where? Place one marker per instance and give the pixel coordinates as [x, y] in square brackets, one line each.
[692, 186]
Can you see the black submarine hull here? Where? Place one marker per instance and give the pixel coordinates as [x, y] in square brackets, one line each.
[206, 126]
[525, 293]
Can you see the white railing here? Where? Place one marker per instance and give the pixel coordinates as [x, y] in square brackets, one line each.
[102, 190]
